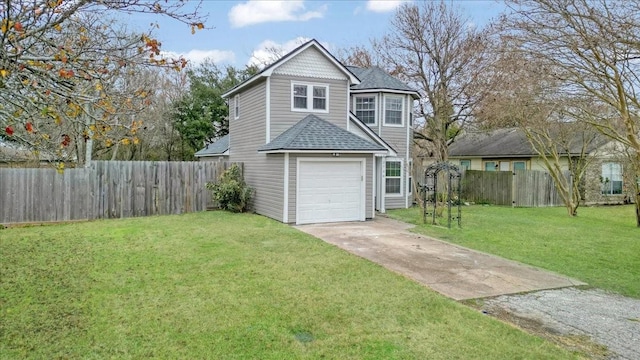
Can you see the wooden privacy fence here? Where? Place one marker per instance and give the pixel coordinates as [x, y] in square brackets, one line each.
[106, 189]
[523, 188]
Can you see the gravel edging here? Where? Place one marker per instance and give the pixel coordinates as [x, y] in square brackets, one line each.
[605, 318]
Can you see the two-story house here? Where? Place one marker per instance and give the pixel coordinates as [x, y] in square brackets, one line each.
[320, 141]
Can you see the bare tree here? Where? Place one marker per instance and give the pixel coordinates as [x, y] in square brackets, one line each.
[526, 94]
[434, 48]
[595, 47]
[359, 56]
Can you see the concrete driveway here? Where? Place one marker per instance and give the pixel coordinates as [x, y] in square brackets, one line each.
[451, 270]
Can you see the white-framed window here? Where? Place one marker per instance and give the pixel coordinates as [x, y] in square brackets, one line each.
[490, 166]
[410, 177]
[236, 106]
[393, 106]
[309, 97]
[611, 178]
[366, 109]
[393, 177]
[465, 164]
[519, 165]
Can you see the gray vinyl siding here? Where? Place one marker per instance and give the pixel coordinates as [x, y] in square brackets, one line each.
[283, 118]
[293, 163]
[262, 172]
[396, 137]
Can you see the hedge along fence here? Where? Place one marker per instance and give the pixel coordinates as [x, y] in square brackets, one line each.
[106, 189]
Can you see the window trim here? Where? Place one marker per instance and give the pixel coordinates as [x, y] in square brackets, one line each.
[375, 108]
[384, 110]
[466, 161]
[401, 177]
[309, 95]
[236, 106]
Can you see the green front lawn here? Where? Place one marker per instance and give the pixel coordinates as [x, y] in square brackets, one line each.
[217, 285]
[601, 246]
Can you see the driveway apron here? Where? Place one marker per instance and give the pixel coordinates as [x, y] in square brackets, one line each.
[451, 270]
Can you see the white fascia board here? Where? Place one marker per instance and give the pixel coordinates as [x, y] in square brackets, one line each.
[392, 91]
[280, 151]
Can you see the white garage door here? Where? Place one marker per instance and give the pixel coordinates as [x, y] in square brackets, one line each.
[330, 191]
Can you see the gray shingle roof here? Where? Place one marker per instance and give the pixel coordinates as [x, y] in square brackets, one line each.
[314, 133]
[216, 148]
[511, 142]
[376, 78]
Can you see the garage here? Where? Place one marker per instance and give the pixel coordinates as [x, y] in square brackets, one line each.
[330, 190]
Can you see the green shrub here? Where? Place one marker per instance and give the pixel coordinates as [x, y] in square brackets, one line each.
[231, 192]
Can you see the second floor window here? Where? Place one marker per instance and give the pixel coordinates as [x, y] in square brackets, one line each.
[366, 109]
[309, 97]
[393, 110]
[236, 106]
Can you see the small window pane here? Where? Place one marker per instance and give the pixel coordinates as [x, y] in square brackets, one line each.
[319, 92]
[392, 186]
[299, 90]
[490, 166]
[300, 102]
[519, 165]
[393, 168]
[465, 164]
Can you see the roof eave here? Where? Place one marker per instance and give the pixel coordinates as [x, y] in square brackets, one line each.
[414, 94]
[226, 152]
[322, 151]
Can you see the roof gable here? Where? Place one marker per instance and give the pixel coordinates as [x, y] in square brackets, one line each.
[311, 63]
[269, 70]
[314, 133]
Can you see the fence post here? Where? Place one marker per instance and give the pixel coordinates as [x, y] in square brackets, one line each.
[513, 189]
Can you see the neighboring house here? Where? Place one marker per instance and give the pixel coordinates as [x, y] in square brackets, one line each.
[15, 156]
[217, 151]
[509, 150]
[320, 141]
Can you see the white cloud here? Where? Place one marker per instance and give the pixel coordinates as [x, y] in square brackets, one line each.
[256, 12]
[382, 6]
[196, 56]
[269, 51]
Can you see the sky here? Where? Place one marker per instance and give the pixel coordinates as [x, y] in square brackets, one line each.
[238, 32]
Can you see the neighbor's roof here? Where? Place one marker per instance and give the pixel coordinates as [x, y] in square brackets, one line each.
[510, 142]
[375, 78]
[267, 71]
[314, 133]
[12, 152]
[220, 147]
